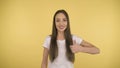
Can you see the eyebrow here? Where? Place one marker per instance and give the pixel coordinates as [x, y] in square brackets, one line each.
[59, 18]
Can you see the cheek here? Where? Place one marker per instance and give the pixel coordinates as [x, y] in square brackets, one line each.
[66, 24]
[57, 25]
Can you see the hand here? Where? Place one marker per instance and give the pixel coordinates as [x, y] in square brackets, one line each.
[75, 48]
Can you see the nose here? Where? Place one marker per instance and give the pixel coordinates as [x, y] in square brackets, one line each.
[61, 22]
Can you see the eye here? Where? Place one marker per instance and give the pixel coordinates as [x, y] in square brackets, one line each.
[64, 20]
[57, 20]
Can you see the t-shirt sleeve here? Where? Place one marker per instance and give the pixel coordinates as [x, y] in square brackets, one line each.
[46, 43]
[77, 39]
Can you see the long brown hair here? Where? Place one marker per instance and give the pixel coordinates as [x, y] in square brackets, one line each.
[53, 52]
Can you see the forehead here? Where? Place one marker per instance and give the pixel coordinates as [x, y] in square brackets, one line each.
[60, 15]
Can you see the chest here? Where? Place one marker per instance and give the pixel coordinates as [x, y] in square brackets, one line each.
[61, 48]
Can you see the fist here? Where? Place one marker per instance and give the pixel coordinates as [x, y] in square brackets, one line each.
[75, 48]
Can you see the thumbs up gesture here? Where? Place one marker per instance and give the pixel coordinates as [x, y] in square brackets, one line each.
[75, 48]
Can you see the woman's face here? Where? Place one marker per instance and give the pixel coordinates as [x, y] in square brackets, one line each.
[61, 22]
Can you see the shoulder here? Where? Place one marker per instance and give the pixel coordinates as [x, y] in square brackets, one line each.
[46, 43]
[48, 37]
[75, 37]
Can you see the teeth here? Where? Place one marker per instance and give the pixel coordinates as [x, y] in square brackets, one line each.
[61, 27]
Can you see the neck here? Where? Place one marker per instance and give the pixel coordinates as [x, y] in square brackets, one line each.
[60, 35]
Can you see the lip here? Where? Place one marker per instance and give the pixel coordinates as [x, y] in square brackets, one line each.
[61, 27]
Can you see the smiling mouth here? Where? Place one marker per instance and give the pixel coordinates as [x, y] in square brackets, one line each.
[61, 27]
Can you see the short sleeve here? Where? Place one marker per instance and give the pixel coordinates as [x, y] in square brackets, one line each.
[77, 39]
[46, 43]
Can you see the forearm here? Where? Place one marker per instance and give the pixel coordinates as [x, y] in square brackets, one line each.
[43, 65]
[90, 50]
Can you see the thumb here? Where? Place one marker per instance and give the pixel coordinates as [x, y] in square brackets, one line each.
[74, 42]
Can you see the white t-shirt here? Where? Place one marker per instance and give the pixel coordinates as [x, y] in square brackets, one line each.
[61, 61]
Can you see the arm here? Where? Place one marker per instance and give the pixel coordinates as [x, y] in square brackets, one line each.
[45, 58]
[88, 48]
[85, 47]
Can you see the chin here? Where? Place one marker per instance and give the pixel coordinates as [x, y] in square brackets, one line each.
[61, 30]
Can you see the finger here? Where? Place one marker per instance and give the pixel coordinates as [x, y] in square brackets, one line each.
[73, 51]
[71, 46]
[74, 42]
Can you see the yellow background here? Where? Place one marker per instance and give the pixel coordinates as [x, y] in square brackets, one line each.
[24, 25]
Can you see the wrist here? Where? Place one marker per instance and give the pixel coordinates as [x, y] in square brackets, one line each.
[80, 48]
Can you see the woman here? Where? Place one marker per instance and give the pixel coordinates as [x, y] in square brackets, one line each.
[61, 45]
